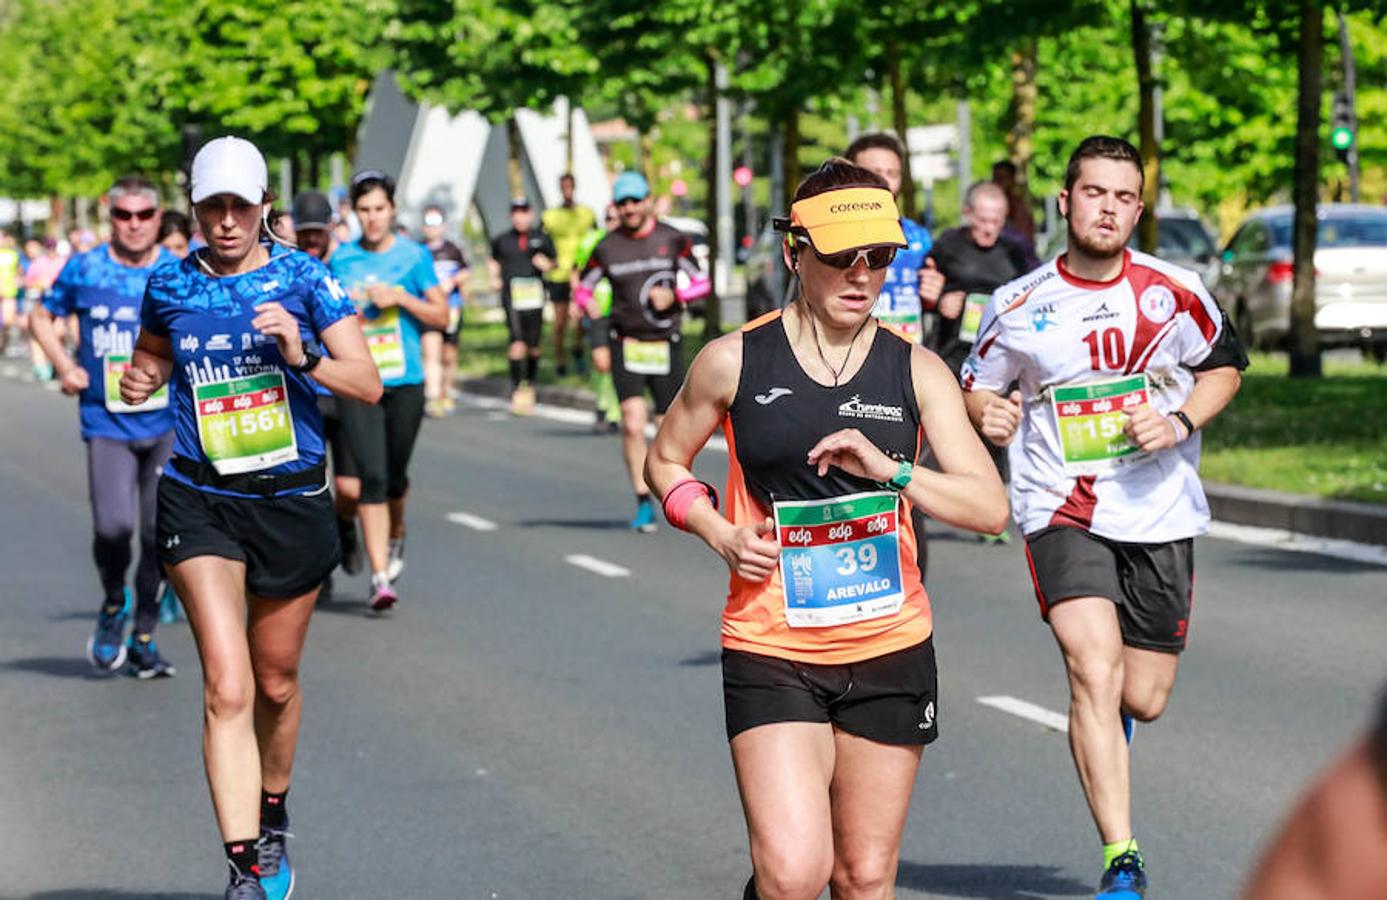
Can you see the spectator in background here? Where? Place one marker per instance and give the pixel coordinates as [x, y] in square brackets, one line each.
[1020, 227]
[176, 233]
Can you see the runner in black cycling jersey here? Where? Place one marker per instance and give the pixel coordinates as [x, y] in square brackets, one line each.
[641, 260]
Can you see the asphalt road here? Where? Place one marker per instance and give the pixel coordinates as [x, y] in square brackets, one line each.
[521, 727]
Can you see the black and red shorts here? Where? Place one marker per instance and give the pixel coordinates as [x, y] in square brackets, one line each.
[1152, 585]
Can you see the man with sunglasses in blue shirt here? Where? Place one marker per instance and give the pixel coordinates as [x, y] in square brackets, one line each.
[127, 446]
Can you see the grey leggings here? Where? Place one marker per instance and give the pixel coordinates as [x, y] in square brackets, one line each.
[116, 472]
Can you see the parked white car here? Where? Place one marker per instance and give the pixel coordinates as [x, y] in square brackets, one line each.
[1350, 281]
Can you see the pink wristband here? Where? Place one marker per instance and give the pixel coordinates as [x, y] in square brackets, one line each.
[680, 498]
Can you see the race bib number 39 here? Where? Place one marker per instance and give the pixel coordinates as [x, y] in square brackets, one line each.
[840, 559]
[386, 342]
[245, 424]
[1091, 417]
[114, 366]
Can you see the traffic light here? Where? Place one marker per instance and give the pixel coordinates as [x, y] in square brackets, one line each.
[1341, 133]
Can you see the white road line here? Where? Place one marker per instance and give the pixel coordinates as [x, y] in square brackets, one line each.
[476, 523]
[1029, 711]
[1280, 539]
[593, 564]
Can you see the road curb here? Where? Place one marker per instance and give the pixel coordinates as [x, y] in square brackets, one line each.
[1364, 523]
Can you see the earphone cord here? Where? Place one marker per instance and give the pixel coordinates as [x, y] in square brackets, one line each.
[837, 373]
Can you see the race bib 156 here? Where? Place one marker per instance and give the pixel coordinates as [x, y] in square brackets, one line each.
[1091, 417]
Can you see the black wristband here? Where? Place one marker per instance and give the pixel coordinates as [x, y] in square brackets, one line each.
[1185, 421]
[310, 361]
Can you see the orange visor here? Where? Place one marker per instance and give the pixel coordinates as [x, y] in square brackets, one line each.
[849, 218]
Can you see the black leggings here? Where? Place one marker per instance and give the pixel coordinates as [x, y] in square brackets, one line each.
[123, 477]
[381, 437]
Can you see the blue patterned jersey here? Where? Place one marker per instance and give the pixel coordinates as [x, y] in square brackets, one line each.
[105, 296]
[899, 302]
[236, 402]
[392, 334]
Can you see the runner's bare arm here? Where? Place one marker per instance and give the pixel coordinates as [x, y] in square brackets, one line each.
[150, 366]
[696, 413]
[968, 492]
[71, 376]
[431, 309]
[349, 371]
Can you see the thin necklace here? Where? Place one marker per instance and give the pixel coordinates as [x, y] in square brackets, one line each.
[837, 373]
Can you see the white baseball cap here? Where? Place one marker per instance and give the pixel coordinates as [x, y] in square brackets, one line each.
[229, 165]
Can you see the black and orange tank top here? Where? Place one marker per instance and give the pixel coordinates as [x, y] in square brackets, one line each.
[778, 414]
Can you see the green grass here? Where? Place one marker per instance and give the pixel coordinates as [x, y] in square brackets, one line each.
[1326, 437]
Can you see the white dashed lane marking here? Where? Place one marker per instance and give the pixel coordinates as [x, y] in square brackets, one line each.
[600, 566]
[1028, 711]
[467, 520]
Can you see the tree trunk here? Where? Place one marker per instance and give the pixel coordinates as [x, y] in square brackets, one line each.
[1146, 127]
[899, 123]
[790, 154]
[315, 170]
[1020, 137]
[1305, 349]
[712, 324]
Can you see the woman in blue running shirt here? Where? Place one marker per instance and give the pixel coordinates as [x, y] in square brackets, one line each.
[391, 280]
[245, 526]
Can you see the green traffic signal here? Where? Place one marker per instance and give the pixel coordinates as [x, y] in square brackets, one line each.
[1341, 138]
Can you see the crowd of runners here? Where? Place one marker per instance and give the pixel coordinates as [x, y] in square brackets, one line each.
[251, 380]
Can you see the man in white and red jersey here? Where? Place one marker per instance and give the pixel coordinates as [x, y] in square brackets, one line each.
[1120, 359]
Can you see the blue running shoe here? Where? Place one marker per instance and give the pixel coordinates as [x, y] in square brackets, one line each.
[145, 660]
[106, 646]
[1125, 878]
[276, 874]
[644, 520]
[1129, 727]
[170, 608]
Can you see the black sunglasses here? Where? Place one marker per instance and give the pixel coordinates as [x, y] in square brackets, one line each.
[876, 257]
[125, 215]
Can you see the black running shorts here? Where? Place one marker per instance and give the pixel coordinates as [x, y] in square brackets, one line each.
[1152, 584]
[891, 699]
[634, 384]
[289, 544]
[558, 291]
